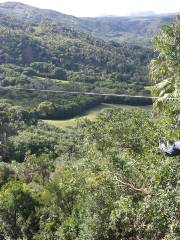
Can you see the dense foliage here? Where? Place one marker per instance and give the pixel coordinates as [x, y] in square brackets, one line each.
[165, 69]
[102, 180]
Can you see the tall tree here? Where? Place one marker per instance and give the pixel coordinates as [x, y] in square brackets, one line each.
[165, 69]
[18, 218]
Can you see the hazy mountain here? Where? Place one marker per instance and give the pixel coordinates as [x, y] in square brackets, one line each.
[140, 27]
[143, 14]
[127, 29]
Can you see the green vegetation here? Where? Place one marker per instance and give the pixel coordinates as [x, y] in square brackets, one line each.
[70, 57]
[104, 180]
[165, 70]
[134, 29]
[131, 29]
[48, 50]
[89, 115]
[99, 180]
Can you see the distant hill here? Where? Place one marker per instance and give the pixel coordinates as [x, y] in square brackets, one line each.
[30, 14]
[142, 14]
[135, 29]
[139, 28]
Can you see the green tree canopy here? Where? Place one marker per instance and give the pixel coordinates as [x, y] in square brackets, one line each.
[165, 69]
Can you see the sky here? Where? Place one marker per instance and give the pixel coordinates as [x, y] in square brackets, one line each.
[92, 8]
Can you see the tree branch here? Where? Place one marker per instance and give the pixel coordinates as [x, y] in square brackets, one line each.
[132, 187]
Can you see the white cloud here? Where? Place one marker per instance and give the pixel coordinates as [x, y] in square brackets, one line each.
[110, 7]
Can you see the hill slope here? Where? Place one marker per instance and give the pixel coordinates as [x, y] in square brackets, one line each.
[136, 29]
[44, 49]
[114, 28]
[35, 15]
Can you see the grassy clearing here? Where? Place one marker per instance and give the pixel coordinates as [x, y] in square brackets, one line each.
[62, 81]
[90, 115]
[55, 80]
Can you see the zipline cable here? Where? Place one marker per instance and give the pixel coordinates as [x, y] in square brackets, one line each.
[81, 93]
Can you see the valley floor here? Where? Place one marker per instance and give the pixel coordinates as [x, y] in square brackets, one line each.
[90, 115]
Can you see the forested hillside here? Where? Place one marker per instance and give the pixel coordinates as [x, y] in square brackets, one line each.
[33, 15]
[44, 49]
[133, 29]
[102, 180]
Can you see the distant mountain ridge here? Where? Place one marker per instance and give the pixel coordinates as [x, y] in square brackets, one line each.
[143, 14]
[115, 28]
